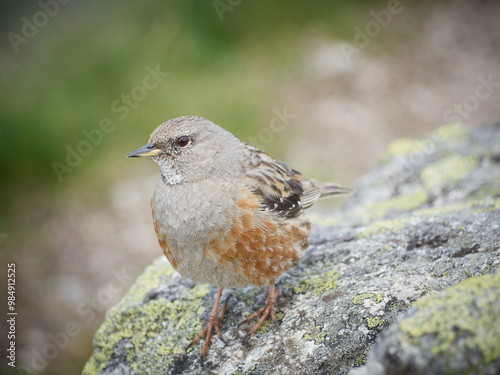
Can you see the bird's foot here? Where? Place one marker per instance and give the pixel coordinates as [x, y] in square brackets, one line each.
[267, 311]
[214, 323]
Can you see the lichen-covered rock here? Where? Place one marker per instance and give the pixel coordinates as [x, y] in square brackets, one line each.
[425, 220]
[453, 332]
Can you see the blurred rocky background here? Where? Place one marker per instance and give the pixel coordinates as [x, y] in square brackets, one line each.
[324, 86]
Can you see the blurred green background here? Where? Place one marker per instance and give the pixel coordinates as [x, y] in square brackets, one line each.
[66, 77]
[233, 62]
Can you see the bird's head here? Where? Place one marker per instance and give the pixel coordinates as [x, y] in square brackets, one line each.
[191, 148]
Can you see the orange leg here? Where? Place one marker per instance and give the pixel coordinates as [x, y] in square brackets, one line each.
[265, 312]
[214, 322]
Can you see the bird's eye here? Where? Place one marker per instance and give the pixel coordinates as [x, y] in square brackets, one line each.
[183, 141]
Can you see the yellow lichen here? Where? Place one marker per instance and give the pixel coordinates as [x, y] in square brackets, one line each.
[318, 285]
[360, 297]
[448, 170]
[403, 147]
[374, 322]
[384, 226]
[406, 202]
[140, 322]
[449, 132]
[360, 360]
[267, 322]
[468, 312]
[318, 336]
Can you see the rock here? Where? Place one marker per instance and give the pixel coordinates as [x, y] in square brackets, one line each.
[406, 276]
[455, 331]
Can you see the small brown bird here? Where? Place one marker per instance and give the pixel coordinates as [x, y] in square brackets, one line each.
[226, 213]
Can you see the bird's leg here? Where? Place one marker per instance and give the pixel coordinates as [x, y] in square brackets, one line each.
[214, 322]
[264, 312]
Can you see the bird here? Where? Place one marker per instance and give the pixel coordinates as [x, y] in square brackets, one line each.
[228, 214]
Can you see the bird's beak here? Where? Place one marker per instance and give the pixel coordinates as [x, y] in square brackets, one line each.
[148, 150]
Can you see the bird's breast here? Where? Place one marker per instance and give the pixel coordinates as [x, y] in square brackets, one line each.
[226, 241]
[186, 217]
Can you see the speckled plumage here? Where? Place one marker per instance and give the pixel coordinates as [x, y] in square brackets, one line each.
[226, 213]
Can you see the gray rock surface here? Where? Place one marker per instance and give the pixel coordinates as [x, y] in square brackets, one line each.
[455, 331]
[413, 256]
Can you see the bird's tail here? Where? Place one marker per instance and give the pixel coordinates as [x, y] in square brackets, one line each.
[331, 190]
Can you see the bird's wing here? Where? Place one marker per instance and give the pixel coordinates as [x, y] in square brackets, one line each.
[281, 190]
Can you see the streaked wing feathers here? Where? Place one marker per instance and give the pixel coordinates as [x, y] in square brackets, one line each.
[281, 190]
